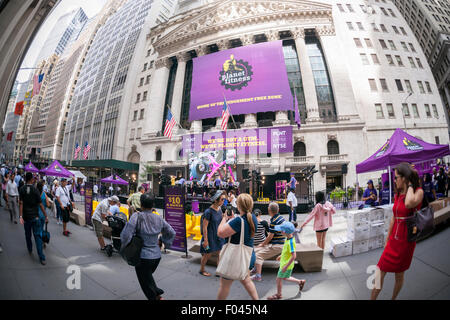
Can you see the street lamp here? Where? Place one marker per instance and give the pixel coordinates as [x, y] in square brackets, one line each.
[403, 111]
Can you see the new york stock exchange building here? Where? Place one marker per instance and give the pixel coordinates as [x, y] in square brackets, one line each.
[310, 85]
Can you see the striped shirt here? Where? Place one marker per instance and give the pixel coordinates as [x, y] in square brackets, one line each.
[278, 238]
[260, 234]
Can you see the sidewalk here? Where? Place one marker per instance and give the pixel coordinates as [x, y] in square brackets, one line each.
[22, 277]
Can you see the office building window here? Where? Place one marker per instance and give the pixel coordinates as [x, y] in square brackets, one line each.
[132, 131]
[375, 58]
[383, 44]
[419, 63]
[398, 82]
[141, 83]
[357, 42]
[390, 60]
[360, 26]
[392, 45]
[374, 27]
[392, 13]
[408, 86]
[428, 87]
[350, 26]
[364, 59]
[141, 115]
[341, 8]
[379, 111]
[373, 85]
[435, 111]
[399, 61]
[395, 29]
[139, 133]
[383, 28]
[411, 62]
[138, 97]
[390, 110]
[405, 110]
[427, 110]
[144, 96]
[421, 88]
[368, 43]
[415, 110]
[350, 8]
[384, 85]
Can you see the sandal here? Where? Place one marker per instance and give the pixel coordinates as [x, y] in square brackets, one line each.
[204, 273]
[301, 285]
[276, 296]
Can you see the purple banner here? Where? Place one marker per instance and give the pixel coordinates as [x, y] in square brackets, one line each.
[252, 78]
[175, 216]
[88, 202]
[251, 141]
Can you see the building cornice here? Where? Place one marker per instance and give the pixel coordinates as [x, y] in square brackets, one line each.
[232, 16]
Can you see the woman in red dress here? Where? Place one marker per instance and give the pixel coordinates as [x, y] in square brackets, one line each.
[398, 251]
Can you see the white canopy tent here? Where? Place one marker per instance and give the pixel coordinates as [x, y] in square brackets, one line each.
[78, 174]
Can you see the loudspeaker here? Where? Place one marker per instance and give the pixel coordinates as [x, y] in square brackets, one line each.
[344, 168]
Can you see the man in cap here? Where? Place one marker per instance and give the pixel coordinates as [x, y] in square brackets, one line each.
[100, 213]
[370, 195]
[134, 201]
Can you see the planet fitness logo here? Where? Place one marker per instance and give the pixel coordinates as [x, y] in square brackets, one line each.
[412, 146]
[235, 74]
[383, 150]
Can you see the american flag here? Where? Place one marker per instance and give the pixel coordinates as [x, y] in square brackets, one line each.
[77, 151]
[86, 150]
[170, 123]
[225, 116]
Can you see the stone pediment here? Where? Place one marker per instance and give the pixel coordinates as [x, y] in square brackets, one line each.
[232, 13]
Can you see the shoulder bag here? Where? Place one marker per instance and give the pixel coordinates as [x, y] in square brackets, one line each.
[421, 223]
[45, 235]
[235, 259]
[69, 205]
[131, 253]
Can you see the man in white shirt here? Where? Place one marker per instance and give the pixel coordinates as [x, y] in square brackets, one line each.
[63, 197]
[12, 197]
[95, 192]
[292, 204]
[100, 213]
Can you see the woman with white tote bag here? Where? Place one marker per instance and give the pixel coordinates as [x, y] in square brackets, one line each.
[237, 257]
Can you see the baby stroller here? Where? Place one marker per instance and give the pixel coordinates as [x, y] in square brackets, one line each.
[116, 222]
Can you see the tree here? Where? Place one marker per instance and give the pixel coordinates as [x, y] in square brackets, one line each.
[147, 169]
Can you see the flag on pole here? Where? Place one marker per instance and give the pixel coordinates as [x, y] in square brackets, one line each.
[297, 114]
[86, 150]
[28, 96]
[9, 136]
[19, 108]
[77, 151]
[170, 123]
[225, 115]
[37, 83]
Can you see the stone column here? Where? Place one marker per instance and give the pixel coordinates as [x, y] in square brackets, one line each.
[196, 126]
[177, 99]
[250, 120]
[309, 87]
[281, 118]
[157, 98]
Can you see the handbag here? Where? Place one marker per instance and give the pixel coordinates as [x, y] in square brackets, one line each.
[131, 253]
[45, 235]
[421, 223]
[235, 259]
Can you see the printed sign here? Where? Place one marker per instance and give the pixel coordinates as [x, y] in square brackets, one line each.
[88, 202]
[251, 141]
[252, 79]
[175, 216]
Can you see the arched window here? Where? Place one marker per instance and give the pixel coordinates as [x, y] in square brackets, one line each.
[158, 155]
[299, 149]
[333, 147]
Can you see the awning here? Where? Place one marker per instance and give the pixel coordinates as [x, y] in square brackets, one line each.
[78, 174]
[110, 163]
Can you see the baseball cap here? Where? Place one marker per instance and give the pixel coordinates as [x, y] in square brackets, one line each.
[216, 195]
[286, 227]
[370, 181]
[114, 198]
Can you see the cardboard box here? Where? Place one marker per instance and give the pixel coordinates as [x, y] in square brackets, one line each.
[376, 229]
[360, 246]
[376, 215]
[376, 242]
[357, 216]
[341, 247]
[437, 205]
[358, 233]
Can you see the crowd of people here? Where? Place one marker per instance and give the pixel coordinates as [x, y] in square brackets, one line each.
[29, 198]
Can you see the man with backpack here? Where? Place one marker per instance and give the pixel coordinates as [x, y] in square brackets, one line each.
[63, 197]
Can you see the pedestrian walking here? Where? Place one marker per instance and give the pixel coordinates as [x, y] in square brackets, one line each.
[292, 204]
[30, 202]
[57, 206]
[273, 245]
[45, 203]
[322, 214]
[287, 260]
[4, 184]
[148, 226]
[63, 197]
[441, 182]
[230, 226]
[12, 198]
[101, 211]
[95, 192]
[398, 251]
[210, 221]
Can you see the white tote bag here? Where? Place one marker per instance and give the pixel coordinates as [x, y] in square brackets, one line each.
[235, 259]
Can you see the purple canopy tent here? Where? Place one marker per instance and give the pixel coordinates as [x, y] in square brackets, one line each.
[401, 147]
[55, 169]
[114, 179]
[31, 168]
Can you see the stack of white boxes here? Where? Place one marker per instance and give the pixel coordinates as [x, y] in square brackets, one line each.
[366, 230]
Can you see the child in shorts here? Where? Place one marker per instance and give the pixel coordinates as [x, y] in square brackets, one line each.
[286, 259]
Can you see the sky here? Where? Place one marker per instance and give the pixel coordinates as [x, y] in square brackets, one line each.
[90, 7]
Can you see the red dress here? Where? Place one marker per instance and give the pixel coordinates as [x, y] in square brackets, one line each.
[398, 253]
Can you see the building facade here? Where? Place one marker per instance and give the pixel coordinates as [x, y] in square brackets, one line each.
[102, 94]
[19, 22]
[351, 66]
[10, 125]
[430, 22]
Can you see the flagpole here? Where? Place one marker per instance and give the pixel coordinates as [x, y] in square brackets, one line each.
[231, 114]
[178, 123]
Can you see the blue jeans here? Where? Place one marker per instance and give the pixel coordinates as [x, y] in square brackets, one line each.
[292, 214]
[58, 210]
[35, 225]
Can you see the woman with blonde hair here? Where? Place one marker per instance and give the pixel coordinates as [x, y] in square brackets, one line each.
[230, 226]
